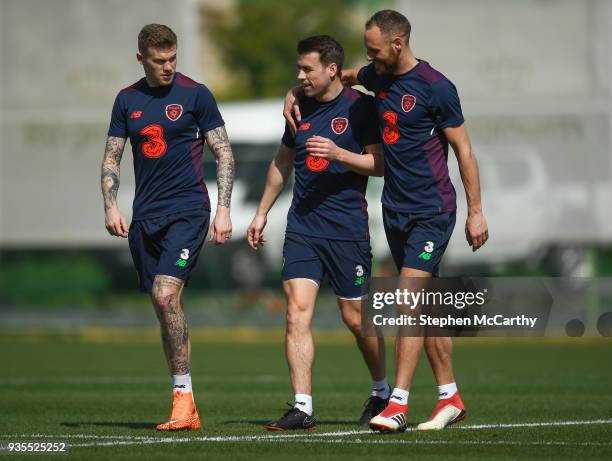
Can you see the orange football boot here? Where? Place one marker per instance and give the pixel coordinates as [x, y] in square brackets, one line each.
[184, 415]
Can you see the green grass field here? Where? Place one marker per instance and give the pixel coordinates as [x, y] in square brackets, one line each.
[526, 399]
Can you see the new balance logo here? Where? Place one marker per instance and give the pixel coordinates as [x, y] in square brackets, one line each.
[400, 419]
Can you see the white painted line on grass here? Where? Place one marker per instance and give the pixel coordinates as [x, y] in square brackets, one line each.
[321, 437]
[372, 441]
[538, 424]
[74, 436]
[379, 441]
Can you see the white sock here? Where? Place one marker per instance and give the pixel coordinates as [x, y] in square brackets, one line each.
[446, 391]
[399, 396]
[303, 402]
[181, 383]
[381, 388]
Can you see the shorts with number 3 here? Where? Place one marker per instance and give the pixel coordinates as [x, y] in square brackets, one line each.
[418, 241]
[167, 245]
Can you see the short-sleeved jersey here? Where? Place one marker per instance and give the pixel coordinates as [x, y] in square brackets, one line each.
[328, 198]
[413, 109]
[166, 125]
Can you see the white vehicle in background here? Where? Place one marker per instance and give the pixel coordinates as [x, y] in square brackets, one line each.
[257, 124]
[517, 205]
[532, 221]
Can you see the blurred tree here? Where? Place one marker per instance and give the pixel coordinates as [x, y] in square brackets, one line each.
[257, 40]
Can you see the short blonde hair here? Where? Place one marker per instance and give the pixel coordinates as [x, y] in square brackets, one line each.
[155, 36]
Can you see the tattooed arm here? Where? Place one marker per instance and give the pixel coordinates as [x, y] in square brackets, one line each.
[221, 229]
[114, 221]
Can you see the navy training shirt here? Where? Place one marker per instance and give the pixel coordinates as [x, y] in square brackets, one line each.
[329, 198]
[413, 109]
[166, 125]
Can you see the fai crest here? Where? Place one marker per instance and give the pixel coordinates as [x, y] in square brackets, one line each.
[408, 102]
[339, 125]
[174, 111]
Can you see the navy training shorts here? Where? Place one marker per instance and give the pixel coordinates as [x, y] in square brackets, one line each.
[167, 245]
[418, 241]
[347, 263]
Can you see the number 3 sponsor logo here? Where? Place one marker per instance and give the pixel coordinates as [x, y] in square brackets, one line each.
[316, 164]
[390, 131]
[155, 145]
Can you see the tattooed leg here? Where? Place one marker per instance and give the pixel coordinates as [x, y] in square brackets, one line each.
[168, 301]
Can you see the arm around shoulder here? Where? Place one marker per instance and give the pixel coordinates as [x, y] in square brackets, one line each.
[350, 77]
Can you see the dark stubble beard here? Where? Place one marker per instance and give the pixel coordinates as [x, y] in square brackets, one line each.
[390, 68]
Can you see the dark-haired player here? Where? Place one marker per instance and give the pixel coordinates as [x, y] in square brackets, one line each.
[419, 115]
[334, 149]
[167, 117]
